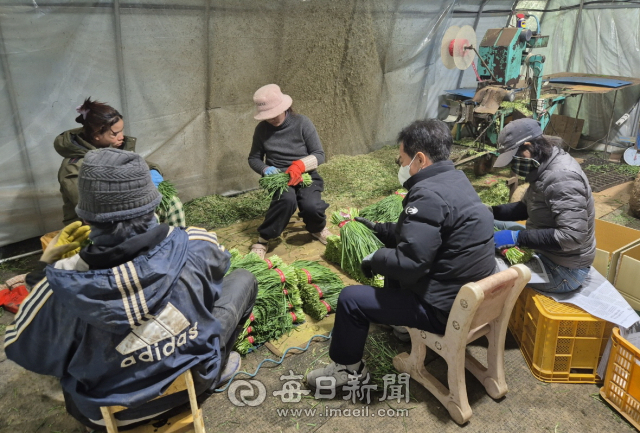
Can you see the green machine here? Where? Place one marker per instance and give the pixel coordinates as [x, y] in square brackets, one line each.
[503, 53]
[509, 80]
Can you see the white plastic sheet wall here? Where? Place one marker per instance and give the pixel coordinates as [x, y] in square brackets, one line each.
[182, 72]
[607, 42]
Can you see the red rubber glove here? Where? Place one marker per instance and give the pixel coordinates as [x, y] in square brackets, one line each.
[295, 172]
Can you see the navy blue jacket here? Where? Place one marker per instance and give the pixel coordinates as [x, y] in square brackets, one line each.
[442, 240]
[120, 336]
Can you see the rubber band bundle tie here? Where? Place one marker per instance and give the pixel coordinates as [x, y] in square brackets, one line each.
[282, 277]
[308, 275]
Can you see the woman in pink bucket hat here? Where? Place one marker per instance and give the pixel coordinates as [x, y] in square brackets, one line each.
[287, 141]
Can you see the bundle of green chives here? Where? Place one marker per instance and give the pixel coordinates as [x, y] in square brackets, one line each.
[333, 251]
[331, 298]
[387, 210]
[236, 257]
[316, 282]
[333, 254]
[276, 184]
[168, 191]
[274, 282]
[314, 306]
[271, 312]
[314, 272]
[517, 255]
[290, 289]
[309, 295]
[250, 262]
[357, 242]
[245, 341]
[271, 321]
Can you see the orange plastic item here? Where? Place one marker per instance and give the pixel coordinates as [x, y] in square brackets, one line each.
[622, 380]
[11, 299]
[560, 342]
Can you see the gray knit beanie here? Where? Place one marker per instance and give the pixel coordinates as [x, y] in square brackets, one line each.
[115, 185]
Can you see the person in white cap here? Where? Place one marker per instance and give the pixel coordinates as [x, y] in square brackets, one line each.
[287, 141]
[558, 206]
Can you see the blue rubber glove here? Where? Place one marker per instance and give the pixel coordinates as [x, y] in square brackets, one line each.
[506, 239]
[156, 177]
[365, 266]
[271, 170]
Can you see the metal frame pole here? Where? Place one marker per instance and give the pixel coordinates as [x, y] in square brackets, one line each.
[17, 123]
[544, 14]
[613, 108]
[207, 54]
[575, 122]
[207, 78]
[124, 106]
[575, 36]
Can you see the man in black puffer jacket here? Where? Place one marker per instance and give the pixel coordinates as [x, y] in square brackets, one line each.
[442, 240]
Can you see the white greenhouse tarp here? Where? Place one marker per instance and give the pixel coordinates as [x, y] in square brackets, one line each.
[183, 73]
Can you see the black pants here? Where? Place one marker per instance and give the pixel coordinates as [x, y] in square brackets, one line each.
[308, 200]
[239, 291]
[233, 308]
[358, 306]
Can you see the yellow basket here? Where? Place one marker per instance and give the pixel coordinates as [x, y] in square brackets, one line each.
[622, 381]
[560, 342]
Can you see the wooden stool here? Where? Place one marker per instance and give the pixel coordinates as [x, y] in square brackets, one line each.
[184, 422]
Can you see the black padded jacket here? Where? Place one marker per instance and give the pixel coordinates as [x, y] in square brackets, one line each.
[442, 240]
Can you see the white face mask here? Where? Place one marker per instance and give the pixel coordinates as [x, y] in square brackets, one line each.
[403, 172]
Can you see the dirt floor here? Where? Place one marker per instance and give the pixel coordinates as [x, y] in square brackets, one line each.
[34, 403]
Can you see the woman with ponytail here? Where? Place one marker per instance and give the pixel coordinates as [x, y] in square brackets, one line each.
[103, 126]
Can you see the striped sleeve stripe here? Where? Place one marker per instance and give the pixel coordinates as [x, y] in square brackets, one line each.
[140, 290]
[210, 235]
[207, 239]
[195, 229]
[132, 295]
[124, 295]
[27, 313]
[28, 303]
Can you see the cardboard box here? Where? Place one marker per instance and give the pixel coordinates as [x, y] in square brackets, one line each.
[628, 276]
[611, 240]
[565, 127]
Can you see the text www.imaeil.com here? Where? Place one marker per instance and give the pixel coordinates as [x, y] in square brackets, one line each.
[328, 412]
